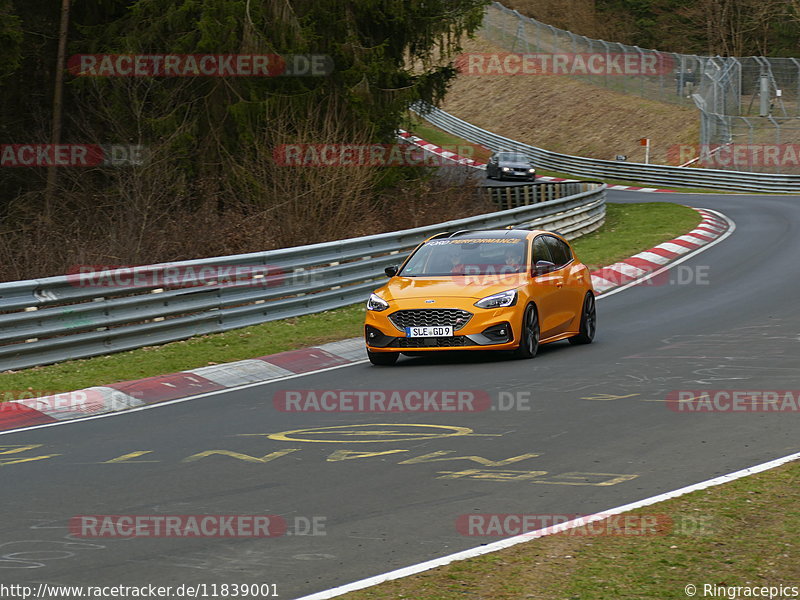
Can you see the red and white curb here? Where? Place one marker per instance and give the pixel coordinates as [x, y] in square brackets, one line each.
[469, 162]
[126, 395]
[711, 228]
[16, 414]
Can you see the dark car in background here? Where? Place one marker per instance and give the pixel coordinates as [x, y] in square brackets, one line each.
[510, 165]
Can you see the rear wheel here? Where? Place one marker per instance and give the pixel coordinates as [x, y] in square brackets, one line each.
[529, 340]
[382, 359]
[588, 321]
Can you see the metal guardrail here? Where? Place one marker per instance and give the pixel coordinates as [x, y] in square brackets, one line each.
[584, 217]
[48, 320]
[596, 168]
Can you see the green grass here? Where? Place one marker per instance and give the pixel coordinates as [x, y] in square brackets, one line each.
[629, 228]
[744, 533]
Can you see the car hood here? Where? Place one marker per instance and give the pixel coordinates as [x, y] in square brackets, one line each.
[453, 286]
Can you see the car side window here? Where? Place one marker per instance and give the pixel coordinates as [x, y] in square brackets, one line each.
[558, 250]
[541, 251]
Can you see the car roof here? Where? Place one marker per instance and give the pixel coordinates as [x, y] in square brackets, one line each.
[494, 234]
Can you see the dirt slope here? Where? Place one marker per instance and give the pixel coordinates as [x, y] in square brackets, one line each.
[565, 115]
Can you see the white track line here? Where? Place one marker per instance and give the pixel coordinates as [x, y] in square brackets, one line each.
[525, 537]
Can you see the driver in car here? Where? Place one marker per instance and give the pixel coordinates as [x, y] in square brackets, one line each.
[513, 261]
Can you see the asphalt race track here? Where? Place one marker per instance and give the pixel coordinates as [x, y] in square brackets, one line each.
[592, 419]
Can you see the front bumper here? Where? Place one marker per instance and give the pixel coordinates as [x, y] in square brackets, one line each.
[492, 329]
[515, 175]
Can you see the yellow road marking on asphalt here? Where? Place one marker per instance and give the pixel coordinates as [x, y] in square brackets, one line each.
[572, 478]
[437, 457]
[16, 449]
[350, 432]
[492, 475]
[239, 456]
[584, 478]
[128, 458]
[351, 454]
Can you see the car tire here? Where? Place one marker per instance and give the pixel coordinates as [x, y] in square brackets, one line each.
[529, 334]
[588, 321]
[383, 359]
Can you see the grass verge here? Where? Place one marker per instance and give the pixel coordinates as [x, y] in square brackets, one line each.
[743, 533]
[629, 228]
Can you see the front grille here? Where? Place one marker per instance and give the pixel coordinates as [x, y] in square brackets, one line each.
[439, 342]
[431, 317]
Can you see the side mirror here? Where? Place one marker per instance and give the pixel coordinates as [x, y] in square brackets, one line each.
[391, 271]
[543, 266]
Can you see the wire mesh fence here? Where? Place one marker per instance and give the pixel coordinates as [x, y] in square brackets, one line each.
[749, 101]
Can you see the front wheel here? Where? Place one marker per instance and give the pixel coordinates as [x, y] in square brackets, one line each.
[382, 359]
[529, 340]
[588, 322]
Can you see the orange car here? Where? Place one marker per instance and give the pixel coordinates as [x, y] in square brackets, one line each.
[504, 289]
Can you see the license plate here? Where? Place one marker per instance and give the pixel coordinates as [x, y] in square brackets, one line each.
[429, 331]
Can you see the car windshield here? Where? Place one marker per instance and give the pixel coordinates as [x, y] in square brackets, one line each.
[512, 157]
[465, 256]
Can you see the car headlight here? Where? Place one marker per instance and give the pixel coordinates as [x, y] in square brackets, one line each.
[376, 303]
[501, 300]
[531, 170]
[506, 168]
